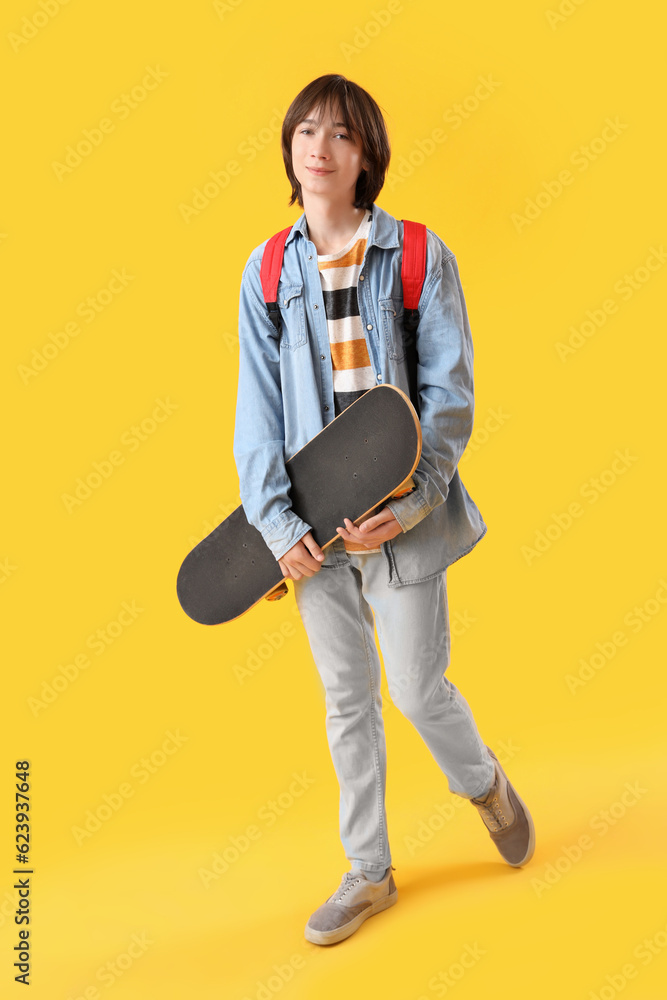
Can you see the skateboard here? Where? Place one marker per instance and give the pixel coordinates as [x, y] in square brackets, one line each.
[358, 461]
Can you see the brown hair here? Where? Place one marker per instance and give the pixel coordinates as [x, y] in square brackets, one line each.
[362, 117]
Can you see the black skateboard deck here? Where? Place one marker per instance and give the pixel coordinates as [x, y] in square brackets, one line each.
[356, 463]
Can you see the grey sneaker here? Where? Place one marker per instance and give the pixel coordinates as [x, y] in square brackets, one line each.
[344, 912]
[509, 823]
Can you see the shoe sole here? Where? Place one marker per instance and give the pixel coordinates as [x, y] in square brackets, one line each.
[340, 933]
[530, 850]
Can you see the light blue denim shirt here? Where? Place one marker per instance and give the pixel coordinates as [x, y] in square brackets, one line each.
[285, 392]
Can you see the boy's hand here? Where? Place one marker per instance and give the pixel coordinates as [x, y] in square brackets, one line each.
[303, 559]
[380, 528]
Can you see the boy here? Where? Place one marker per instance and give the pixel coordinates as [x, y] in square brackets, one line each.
[341, 305]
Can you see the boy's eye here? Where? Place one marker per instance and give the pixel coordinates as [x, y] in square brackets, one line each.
[337, 135]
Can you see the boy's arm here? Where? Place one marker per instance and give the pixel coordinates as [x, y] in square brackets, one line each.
[445, 380]
[259, 435]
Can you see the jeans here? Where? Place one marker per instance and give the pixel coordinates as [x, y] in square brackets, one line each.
[338, 606]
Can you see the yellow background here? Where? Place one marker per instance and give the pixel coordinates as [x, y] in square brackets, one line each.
[523, 622]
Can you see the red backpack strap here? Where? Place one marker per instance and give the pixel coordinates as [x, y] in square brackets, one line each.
[269, 273]
[413, 264]
[413, 272]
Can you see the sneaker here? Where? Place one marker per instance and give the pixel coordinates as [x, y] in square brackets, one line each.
[355, 899]
[509, 823]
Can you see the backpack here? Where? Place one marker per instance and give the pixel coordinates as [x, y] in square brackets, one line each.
[413, 270]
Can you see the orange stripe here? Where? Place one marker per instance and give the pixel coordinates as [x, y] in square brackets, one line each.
[354, 255]
[350, 354]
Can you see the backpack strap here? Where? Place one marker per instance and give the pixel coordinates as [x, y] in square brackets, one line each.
[413, 272]
[269, 273]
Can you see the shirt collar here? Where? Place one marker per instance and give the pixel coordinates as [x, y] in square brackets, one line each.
[384, 229]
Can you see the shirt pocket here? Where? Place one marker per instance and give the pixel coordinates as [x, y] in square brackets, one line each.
[391, 311]
[293, 313]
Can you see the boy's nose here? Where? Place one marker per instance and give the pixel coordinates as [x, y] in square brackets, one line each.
[321, 150]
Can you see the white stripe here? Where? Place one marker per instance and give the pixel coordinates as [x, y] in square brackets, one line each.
[345, 328]
[353, 379]
[334, 278]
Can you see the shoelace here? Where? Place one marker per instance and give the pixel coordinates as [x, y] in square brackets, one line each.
[348, 881]
[493, 815]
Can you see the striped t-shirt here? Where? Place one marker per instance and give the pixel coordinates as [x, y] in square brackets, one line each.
[351, 365]
[339, 273]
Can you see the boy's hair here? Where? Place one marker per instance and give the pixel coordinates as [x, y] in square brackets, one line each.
[363, 119]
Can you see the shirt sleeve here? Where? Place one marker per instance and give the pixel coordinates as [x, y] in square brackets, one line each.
[259, 432]
[445, 385]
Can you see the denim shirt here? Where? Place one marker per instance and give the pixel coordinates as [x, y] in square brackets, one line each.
[285, 393]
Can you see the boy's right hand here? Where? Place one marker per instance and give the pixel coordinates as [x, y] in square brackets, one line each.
[303, 559]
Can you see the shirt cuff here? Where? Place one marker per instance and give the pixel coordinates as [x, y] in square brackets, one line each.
[283, 532]
[409, 510]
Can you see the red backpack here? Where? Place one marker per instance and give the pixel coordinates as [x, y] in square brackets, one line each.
[413, 270]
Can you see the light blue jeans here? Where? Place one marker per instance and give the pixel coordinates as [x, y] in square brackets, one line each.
[337, 606]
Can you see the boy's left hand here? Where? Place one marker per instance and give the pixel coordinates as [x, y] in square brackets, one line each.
[380, 528]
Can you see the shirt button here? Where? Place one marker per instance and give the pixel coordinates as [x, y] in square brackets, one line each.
[326, 408]
[379, 378]
[310, 256]
[316, 306]
[361, 277]
[369, 326]
[323, 357]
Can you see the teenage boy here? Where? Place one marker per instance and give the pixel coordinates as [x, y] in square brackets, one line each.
[341, 305]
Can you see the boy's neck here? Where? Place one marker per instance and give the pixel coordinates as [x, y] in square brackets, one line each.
[331, 226]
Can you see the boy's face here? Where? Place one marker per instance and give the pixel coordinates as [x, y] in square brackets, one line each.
[326, 158]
